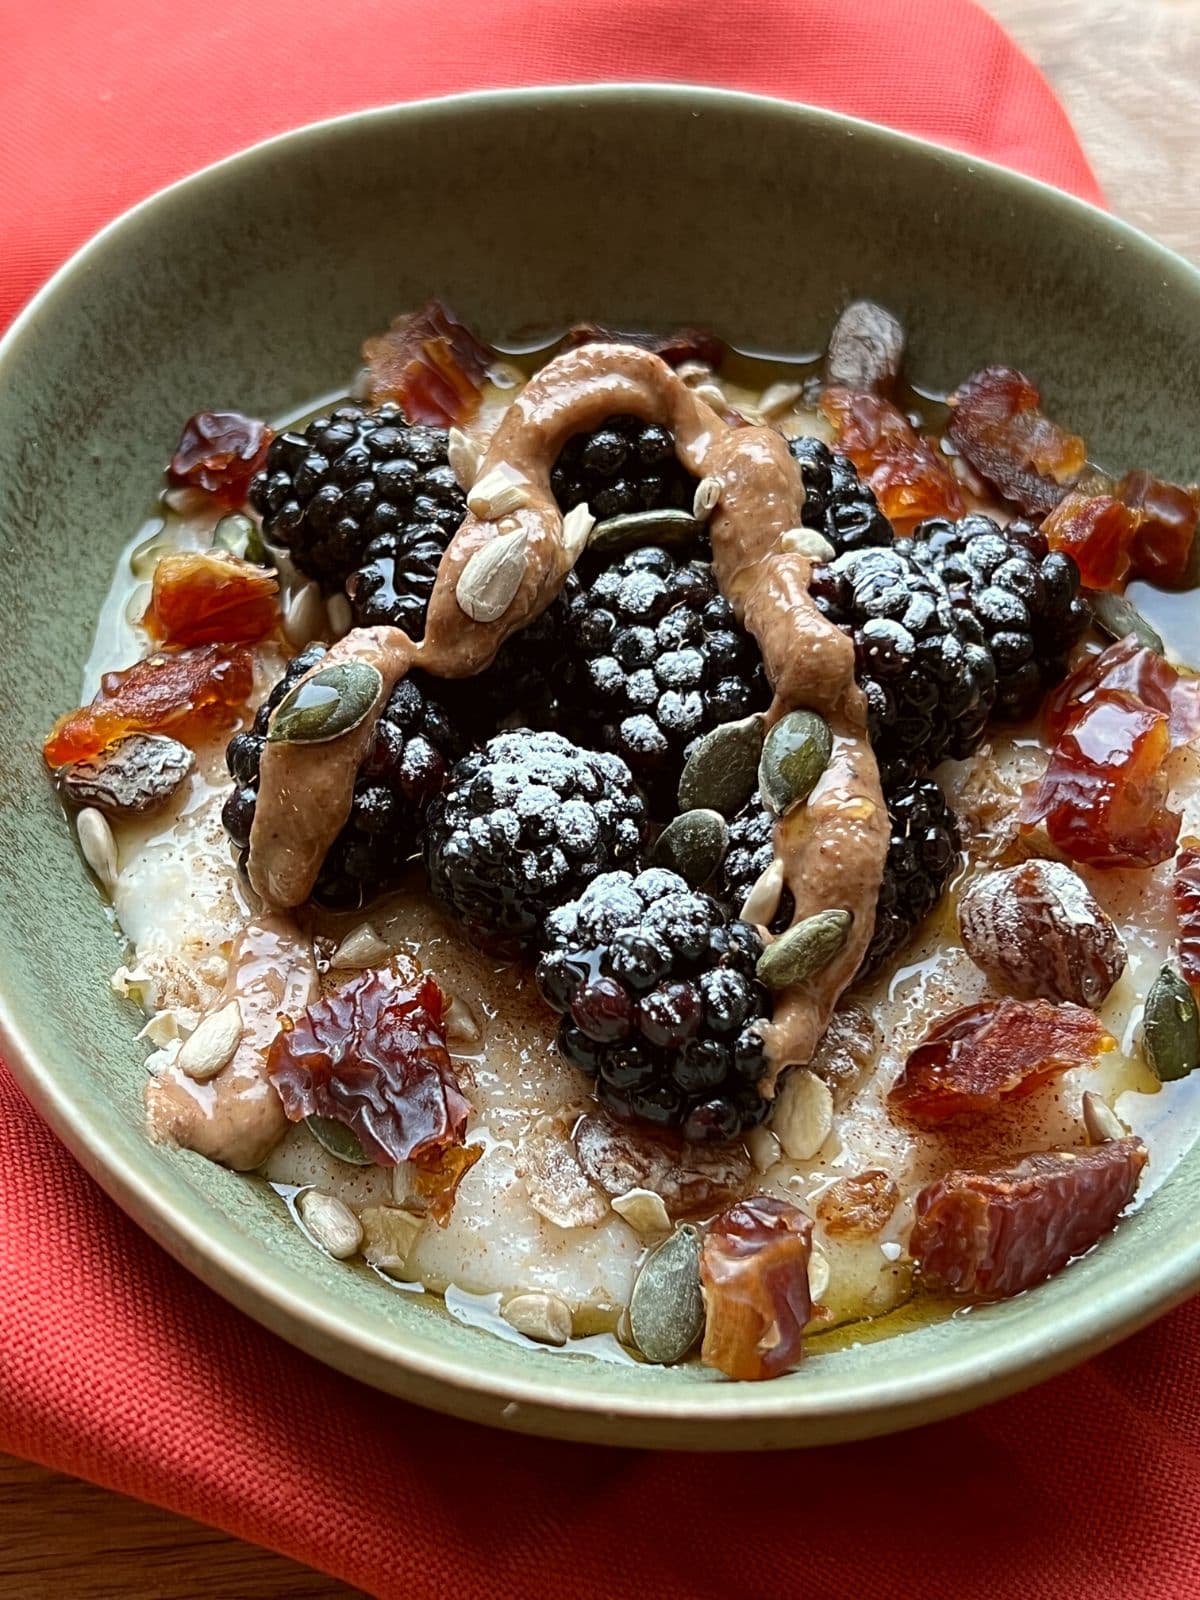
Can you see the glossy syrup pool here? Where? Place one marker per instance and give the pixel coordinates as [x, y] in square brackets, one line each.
[496, 1244]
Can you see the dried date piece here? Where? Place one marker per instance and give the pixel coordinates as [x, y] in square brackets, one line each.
[754, 1278]
[685, 344]
[430, 364]
[976, 1060]
[1097, 531]
[1131, 668]
[997, 424]
[219, 452]
[173, 691]
[988, 1235]
[133, 776]
[1038, 931]
[373, 1055]
[866, 349]
[857, 1207]
[692, 1180]
[211, 597]
[1166, 533]
[1187, 907]
[911, 478]
[847, 1052]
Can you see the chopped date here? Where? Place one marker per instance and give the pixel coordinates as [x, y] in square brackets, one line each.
[754, 1279]
[976, 1060]
[685, 344]
[1097, 531]
[219, 452]
[172, 691]
[998, 425]
[1130, 668]
[1167, 515]
[373, 1055]
[210, 597]
[692, 1180]
[988, 1235]
[858, 1206]
[430, 364]
[911, 478]
[1187, 907]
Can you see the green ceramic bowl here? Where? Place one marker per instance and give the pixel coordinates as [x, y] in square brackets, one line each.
[252, 285]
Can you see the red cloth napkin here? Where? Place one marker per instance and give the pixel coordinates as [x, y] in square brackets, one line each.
[115, 1364]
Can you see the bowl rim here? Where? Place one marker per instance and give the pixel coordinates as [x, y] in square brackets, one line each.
[287, 1301]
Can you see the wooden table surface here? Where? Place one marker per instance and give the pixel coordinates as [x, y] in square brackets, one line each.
[1128, 72]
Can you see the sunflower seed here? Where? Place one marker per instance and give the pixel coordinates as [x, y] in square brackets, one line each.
[539, 1315]
[138, 604]
[304, 616]
[1100, 1120]
[690, 373]
[806, 542]
[98, 846]
[239, 534]
[576, 531]
[667, 526]
[134, 775]
[360, 949]
[462, 1025]
[331, 1222]
[388, 1238]
[499, 491]
[1171, 1027]
[803, 1116]
[795, 753]
[818, 1274]
[704, 501]
[804, 949]
[666, 1309]
[330, 703]
[463, 456]
[491, 578]
[338, 1140]
[777, 398]
[1119, 617]
[722, 770]
[762, 902]
[341, 617]
[693, 844]
[643, 1210]
[712, 394]
[763, 1147]
[213, 1044]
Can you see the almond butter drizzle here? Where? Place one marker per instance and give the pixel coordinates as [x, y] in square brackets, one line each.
[236, 1117]
[832, 848]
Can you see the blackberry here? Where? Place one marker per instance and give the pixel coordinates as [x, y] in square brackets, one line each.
[405, 768]
[659, 1003]
[523, 825]
[659, 658]
[528, 680]
[837, 503]
[626, 465]
[1024, 595]
[922, 662]
[924, 851]
[923, 854]
[351, 479]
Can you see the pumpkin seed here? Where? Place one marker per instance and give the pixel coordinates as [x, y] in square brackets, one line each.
[693, 845]
[330, 703]
[1119, 617]
[130, 777]
[795, 753]
[338, 1139]
[667, 527]
[804, 950]
[1171, 1027]
[666, 1309]
[238, 534]
[722, 770]
[487, 584]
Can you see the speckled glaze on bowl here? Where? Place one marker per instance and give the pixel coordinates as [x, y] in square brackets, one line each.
[252, 285]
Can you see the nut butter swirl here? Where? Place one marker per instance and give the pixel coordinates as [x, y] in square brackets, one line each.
[832, 848]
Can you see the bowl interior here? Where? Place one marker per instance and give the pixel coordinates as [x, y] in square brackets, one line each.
[252, 286]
